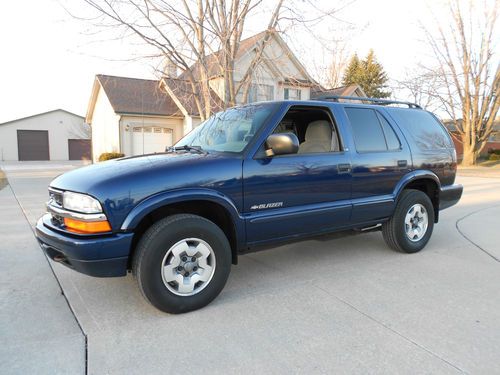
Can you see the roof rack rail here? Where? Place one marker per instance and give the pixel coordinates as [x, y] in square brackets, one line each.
[378, 101]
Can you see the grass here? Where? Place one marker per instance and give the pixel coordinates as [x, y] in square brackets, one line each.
[489, 163]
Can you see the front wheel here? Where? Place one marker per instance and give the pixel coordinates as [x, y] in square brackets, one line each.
[182, 263]
[411, 225]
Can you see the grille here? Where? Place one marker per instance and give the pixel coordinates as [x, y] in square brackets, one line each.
[56, 200]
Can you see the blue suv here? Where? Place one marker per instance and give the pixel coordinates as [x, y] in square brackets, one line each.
[250, 178]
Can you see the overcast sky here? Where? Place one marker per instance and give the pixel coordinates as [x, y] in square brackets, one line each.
[49, 60]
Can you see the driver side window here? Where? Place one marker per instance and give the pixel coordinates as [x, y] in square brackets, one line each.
[314, 128]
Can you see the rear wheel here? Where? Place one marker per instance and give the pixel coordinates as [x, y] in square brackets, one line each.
[182, 263]
[410, 228]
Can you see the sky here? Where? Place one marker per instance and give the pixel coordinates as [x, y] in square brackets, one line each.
[49, 59]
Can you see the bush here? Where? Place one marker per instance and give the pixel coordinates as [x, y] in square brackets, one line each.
[110, 155]
[494, 156]
[493, 151]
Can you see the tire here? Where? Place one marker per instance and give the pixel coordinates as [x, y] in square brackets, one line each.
[175, 242]
[398, 229]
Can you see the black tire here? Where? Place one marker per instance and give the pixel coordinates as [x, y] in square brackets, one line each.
[394, 230]
[152, 249]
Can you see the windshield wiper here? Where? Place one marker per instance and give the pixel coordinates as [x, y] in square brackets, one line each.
[188, 148]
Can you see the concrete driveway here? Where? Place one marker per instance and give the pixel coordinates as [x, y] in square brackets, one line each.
[346, 305]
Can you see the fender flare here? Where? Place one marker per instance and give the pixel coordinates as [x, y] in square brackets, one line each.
[162, 199]
[413, 176]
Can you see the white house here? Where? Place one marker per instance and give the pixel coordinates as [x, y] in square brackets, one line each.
[132, 116]
[138, 116]
[53, 135]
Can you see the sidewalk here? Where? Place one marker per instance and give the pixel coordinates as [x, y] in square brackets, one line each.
[39, 333]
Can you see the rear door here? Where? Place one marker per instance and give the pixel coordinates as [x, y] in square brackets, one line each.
[33, 145]
[291, 195]
[381, 157]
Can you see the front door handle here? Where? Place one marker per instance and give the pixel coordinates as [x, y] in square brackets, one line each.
[402, 163]
[344, 168]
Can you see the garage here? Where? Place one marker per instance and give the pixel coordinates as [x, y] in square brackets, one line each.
[54, 135]
[33, 144]
[151, 139]
[79, 149]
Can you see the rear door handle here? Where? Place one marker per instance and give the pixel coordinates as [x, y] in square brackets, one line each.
[402, 163]
[344, 168]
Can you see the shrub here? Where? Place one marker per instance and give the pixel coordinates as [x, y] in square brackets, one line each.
[110, 155]
[494, 156]
[493, 151]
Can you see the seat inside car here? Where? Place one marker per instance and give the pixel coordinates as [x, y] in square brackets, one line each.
[319, 138]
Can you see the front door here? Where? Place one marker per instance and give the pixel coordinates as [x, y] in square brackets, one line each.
[304, 193]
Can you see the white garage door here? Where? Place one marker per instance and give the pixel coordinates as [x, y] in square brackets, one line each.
[150, 139]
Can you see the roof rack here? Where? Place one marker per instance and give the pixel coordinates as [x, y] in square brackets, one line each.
[377, 101]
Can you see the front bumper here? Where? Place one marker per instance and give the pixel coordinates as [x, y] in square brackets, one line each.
[100, 256]
[450, 195]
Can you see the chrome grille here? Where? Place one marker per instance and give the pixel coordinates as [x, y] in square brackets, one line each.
[55, 198]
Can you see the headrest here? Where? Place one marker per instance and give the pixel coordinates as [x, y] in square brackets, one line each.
[319, 130]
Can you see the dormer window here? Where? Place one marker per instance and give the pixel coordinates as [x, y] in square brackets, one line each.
[292, 94]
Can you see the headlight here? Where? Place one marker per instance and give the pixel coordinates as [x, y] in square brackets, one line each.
[81, 203]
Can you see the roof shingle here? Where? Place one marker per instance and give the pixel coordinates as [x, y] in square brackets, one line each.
[138, 96]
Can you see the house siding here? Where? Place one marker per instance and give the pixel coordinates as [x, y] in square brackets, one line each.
[105, 130]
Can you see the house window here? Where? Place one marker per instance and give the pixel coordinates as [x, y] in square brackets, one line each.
[292, 94]
[258, 93]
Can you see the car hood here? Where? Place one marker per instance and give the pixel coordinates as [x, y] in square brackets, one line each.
[120, 184]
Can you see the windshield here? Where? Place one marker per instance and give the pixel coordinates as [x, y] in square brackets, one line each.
[230, 130]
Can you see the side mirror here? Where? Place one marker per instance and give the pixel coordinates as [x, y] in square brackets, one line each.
[282, 144]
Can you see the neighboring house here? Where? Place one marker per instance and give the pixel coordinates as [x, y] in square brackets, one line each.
[132, 116]
[279, 75]
[53, 135]
[492, 144]
[351, 90]
[138, 116]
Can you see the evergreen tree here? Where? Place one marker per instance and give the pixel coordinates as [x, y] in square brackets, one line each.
[352, 72]
[368, 74]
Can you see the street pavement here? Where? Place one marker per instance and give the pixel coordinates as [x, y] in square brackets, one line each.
[326, 305]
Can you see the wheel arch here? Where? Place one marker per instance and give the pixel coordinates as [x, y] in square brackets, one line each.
[202, 202]
[425, 181]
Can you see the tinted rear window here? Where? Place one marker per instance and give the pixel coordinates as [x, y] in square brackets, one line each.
[390, 136]
[366, 130]
[426, 131]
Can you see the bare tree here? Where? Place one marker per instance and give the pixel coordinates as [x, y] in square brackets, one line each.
[200, 39]
[338, 55]
[195, 38]
[469, 70]
[420, 86]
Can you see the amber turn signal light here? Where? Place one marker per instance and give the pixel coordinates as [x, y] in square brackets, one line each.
[79, 226]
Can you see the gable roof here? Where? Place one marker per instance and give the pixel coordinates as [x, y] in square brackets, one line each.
[246, 46]
[182, 94]
[133, 96]
[450, 125]
[350, 90]
[212, 59]
[41, 114]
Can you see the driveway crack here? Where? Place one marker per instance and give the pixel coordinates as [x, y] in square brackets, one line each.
[468, 239]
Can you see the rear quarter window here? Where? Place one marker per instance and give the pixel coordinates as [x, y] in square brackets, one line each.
[425, 130]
